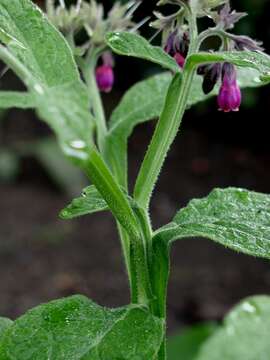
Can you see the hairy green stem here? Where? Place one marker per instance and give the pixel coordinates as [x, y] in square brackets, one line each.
[96, 102]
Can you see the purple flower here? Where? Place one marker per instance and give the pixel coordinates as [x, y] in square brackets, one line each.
[229, 98]
[105, 73]
[179, 59]
[177, 46]
[105, 78]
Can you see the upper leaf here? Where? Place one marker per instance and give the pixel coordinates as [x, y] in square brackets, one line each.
[130, 44]
[42, 48]
[251, 59]
[89, 202]
[236, 218]
[49, 70]
[76, 328]
[244, 334]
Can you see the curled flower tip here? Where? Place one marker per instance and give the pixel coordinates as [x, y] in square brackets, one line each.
[105, 78]
[229, 97]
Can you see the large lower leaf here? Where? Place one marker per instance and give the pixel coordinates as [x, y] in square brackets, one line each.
[76, 328]
[131, 44]
[89, 202]
[244, 334]
[45, 63]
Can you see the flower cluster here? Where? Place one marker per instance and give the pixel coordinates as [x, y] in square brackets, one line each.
[176, 41]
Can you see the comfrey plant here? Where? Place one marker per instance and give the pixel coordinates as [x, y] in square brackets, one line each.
[64, 78]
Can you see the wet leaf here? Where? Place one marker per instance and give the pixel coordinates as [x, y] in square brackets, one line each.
[236, 218]
[89, 202]
[244, 334]
[131, 44]
[76, 328]
[45, 63]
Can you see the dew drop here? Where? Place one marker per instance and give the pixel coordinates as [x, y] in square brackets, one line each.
[78, 144]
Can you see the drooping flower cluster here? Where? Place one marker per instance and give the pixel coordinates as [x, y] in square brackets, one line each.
[176, 43]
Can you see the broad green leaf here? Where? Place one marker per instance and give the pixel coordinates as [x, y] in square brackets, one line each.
[89, 202]
[14, 99]
[45, 63]
[255, 60]
[131, 44]
[244, 334]
[4, 325]
[236, 218]
[76, 328]
[187, 343]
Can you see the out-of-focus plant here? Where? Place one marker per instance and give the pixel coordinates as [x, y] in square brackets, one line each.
[64, 79]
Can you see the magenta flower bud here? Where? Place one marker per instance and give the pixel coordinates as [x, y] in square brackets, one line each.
[180, 60]
[229, 98]
[105, 78]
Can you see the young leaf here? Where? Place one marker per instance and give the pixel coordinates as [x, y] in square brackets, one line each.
[45, 63]
[131, 44]
[14, 99]
[256, 60]
[77, 328]
[143, 102]
[89, 202]
[244, 334]
[187, 344]
[4, 325]
[236, 218]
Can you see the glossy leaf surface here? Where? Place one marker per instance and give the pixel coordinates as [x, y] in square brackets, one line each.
[76, 328]
[131, 44]
[89, 202]
[236, 218]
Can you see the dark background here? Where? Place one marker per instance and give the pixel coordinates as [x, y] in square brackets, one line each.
[43, 258]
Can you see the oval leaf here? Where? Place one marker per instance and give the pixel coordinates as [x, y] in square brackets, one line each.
[76, 328]
[236, 218]
[244, 334]
[89, 202]
[130, 44]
